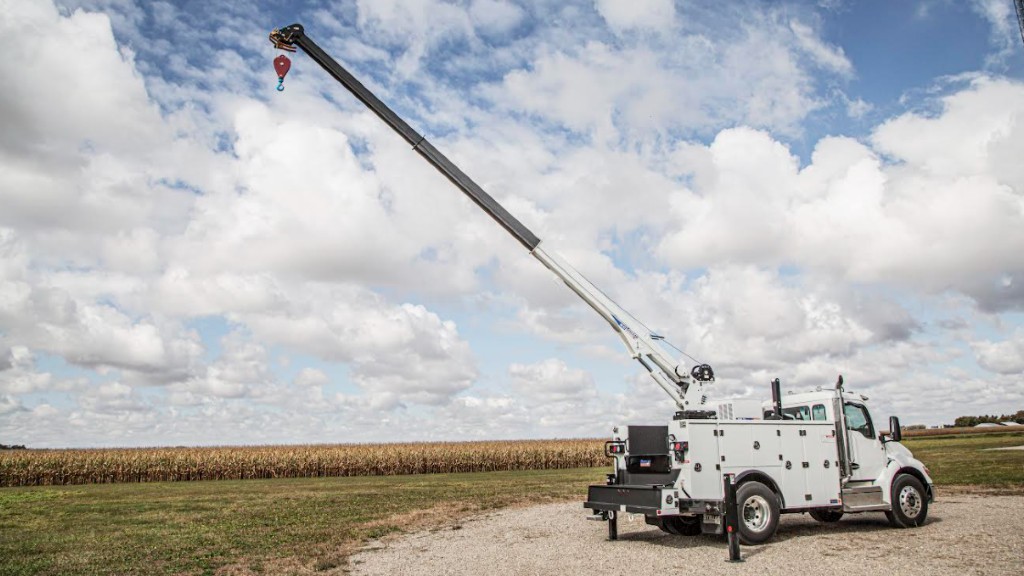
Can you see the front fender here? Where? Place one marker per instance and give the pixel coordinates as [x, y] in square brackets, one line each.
[901, 461]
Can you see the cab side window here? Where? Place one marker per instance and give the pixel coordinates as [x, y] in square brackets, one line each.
[797, 413]
[818, 412]
[858, 420]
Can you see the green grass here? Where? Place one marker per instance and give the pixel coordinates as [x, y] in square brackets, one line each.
[262, 526]
[964, 460]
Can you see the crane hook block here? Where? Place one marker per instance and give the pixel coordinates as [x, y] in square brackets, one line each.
[282, 65]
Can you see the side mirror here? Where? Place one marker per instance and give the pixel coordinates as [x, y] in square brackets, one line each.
[895, 434]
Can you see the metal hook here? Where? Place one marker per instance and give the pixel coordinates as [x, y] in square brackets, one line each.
[280, 84]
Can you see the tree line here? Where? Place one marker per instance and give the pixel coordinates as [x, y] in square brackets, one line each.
[966, 421]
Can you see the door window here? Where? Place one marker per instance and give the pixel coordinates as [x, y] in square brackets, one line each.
[818, 412]
[797, 413]
[858, 420]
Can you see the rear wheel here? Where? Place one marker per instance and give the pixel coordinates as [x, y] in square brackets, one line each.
[909, 502]
[758, 511]
[827, 515]
[681, 525]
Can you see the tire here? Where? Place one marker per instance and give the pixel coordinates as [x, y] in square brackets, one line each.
[758, 512]
[828, 516]
[681, 525]
[909, 502]
[668, 527]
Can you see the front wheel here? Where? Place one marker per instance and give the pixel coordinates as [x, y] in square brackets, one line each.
[909, 502]
[758, 511]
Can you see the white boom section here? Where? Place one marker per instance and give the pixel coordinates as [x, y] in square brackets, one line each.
[671, 376]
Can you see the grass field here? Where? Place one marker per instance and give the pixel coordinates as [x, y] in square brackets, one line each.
[967, 459]
[309, 524]
[261, 526]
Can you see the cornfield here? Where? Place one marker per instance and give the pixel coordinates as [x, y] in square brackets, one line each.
[98, 466]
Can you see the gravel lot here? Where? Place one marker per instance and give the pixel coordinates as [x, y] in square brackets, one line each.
[965, 534]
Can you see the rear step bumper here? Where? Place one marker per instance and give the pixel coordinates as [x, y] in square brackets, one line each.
[624, 498]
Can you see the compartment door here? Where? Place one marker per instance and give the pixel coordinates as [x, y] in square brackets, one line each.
[793, 474]
[705, 483]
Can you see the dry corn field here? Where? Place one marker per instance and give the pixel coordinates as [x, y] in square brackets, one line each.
[96, 466]
[101, 466]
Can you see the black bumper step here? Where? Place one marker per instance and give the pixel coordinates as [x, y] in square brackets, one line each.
[636, 499]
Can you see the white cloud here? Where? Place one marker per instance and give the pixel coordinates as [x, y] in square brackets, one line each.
[654, 14]
[1003, 357]
[495, 16]
[308, 377]
[415, 24]
[1005, 35]
[551, 381]
[696, 83]
[944, 212]
[856, 108]
[75, 86]
[406, 351]
[9, 404]
[825, 55]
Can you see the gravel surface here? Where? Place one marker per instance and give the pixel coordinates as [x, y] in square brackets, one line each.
[965, 534]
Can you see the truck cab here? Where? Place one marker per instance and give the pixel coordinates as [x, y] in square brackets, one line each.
[871, 457]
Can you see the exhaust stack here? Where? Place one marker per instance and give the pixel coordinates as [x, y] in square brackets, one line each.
[777, 398]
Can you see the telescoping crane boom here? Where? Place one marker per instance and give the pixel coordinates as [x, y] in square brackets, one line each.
[680, 383]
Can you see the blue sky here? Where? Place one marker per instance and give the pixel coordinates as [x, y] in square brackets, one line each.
[784, 189]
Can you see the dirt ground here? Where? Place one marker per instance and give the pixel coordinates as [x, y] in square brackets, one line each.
[964, 534]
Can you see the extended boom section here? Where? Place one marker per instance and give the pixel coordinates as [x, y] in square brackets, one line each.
[673, 378]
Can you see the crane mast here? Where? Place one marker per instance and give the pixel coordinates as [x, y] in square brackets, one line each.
[675, 380]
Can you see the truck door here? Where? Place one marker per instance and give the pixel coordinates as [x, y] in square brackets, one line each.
[866, 452]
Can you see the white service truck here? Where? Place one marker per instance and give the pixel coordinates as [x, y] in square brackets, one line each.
[817, 452]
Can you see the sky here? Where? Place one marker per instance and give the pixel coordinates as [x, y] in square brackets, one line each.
[790, 189]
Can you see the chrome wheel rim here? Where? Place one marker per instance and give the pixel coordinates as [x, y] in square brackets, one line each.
[910, 502]
[756, 513]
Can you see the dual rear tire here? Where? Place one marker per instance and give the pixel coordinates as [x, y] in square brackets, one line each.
[758, 510]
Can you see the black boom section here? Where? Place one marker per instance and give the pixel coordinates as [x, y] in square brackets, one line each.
[294, 35]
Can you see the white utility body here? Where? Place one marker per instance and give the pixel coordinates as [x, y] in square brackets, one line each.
[818, 452]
